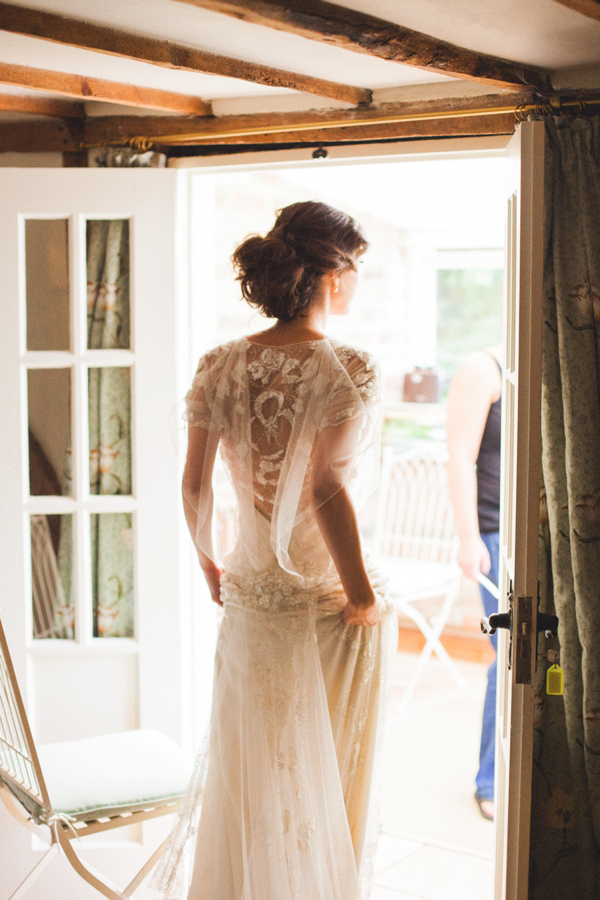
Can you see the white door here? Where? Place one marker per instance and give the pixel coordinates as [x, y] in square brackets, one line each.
[93, 596]
[521, 400]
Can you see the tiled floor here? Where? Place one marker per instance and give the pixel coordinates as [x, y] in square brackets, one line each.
[434, 845]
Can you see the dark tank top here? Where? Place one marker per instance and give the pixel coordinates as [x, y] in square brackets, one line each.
[488, 471]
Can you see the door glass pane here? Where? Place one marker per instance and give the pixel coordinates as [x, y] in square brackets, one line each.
[110, 430]
[108, 284]
[52, 576]
[47, 284]
[112, 574]
[49, 405]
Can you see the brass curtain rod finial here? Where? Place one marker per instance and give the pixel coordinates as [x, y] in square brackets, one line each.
[555, 103]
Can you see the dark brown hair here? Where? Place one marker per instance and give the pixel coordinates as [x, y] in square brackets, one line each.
[279, 273]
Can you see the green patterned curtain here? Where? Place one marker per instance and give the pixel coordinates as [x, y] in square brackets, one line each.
[110, 426]
[565, 834]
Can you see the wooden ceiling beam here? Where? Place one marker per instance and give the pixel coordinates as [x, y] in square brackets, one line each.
[353, 30]
[247, 128]
[456, 127]
[41, 106]
[77, 33]
[589, 8]
[62, 135]
[98, 89]
[52, 136]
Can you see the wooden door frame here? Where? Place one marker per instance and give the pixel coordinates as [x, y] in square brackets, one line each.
[512, 845]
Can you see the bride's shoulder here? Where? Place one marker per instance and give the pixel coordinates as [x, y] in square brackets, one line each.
[361, 366]
[216, 356]
[352, 357]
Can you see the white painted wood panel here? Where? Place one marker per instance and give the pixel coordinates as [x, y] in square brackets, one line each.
[94, 685]
[521, 405]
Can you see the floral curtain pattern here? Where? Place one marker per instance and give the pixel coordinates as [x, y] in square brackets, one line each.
[565, 832]
[109, 396]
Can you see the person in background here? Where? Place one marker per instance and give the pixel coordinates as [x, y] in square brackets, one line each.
[473, 432]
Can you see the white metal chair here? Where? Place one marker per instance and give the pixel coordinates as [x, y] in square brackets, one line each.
[52, 614]
[417, 547]
[75, 788]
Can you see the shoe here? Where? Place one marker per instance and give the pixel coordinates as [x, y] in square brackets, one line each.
[485, 812]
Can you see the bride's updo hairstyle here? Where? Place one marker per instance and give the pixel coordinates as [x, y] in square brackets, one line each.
[279, 273]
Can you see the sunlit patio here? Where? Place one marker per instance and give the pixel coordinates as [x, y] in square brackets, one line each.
[434, 843]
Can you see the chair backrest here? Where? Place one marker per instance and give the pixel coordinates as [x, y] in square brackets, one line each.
[415, 519]
[48, 595]
[20, 770]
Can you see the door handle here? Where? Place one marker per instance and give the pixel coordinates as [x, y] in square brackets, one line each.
[545, 622]
[517, 620]
[489, 624]
[548, 624]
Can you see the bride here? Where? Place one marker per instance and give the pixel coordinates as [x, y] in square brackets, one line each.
[282, 804]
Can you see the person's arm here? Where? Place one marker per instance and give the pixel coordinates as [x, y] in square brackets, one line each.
[336, 518]
[473, 390]
[197, 487]
[337, 521]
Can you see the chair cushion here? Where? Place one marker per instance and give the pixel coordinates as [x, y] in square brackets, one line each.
[114, 771]
[32, 806]
[414, 579]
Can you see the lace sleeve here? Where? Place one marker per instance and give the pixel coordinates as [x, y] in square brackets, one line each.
[359, 382]
[199, 399]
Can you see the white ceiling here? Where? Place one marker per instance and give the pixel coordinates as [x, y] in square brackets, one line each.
[535, 32]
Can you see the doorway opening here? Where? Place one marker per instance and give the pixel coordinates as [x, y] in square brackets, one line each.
[430, 293]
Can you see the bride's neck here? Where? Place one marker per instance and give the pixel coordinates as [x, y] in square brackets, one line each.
[310, 326]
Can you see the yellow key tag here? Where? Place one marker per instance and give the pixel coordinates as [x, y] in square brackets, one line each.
[555, 681]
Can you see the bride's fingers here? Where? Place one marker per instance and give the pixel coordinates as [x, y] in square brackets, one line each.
[354, 615]
[362, 622]
[213, 579]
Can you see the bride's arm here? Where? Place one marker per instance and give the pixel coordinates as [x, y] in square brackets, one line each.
[336, 517]
[337, 521]
[198, 495]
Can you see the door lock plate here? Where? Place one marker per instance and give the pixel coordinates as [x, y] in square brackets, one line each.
[523, 639]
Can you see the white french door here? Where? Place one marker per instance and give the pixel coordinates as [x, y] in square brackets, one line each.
[520, 492]
[521, 400]
[94, 594]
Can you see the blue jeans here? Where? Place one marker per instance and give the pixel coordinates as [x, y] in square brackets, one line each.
[485, 777]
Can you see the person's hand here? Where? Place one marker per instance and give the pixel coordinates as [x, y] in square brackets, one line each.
[213, 575]
[362, 615]
[473, 557]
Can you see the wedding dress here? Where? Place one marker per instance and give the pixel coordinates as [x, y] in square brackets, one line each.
[282, 804]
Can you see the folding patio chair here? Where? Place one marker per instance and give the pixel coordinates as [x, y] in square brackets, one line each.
[75, 788]
[417, 547]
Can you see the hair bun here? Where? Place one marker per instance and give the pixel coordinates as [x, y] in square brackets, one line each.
[280, 272]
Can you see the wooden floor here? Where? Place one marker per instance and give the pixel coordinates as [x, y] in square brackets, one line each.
[467, 645]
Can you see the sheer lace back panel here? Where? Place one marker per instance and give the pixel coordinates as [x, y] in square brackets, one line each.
[277, 381]
[290, 419]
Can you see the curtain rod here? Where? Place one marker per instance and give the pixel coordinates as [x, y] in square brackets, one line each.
[552, 106]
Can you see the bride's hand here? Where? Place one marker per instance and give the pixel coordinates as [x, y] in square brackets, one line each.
[362, 615]
[213, 576]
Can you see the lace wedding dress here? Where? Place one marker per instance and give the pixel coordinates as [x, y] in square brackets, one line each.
[282, 805]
